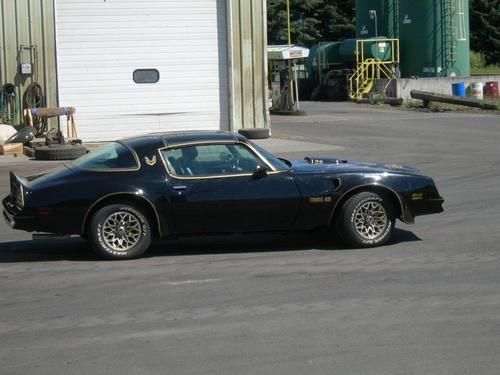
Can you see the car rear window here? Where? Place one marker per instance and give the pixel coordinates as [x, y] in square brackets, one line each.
[110, 156]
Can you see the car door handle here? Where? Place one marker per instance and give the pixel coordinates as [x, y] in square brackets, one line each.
[180, 187]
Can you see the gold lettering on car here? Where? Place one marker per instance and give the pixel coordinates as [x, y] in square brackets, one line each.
[320, 199]
[151, 161]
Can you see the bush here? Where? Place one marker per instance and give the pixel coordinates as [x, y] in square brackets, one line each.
[479, 65]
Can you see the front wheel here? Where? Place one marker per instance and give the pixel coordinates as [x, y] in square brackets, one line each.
[366, 220]
[119, 231]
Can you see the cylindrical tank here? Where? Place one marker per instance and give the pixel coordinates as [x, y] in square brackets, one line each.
[372, 49]
[322, 56]
[386, 16]
[434, 38]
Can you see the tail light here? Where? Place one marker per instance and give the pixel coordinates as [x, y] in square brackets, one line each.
[17, 191]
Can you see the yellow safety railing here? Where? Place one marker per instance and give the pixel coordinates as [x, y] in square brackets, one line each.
[362, 80]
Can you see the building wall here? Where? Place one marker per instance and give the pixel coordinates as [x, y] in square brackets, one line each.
[28, 22]
[248, 62]
[32, 22]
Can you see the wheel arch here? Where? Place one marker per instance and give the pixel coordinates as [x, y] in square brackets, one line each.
[114, 198]
[395, 198]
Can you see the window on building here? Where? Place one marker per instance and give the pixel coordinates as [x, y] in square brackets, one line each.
[146, 76]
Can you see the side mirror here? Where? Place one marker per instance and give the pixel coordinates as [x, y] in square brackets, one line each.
[260, 172]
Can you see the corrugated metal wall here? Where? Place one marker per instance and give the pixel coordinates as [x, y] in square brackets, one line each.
[248, 62]
[28, 22]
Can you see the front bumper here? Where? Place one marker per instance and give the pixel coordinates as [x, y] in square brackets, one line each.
[427, 206]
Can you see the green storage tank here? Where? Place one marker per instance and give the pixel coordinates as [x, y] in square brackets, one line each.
[325, 54]
[372, 49]
[434, 38]
[386, 17]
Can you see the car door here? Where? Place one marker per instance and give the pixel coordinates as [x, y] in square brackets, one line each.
[219, 191]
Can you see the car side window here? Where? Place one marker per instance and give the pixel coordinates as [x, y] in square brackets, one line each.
[111, 156]
[210, 160]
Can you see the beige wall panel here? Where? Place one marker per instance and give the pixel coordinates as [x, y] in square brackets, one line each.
[28, 22]
[235, 76]
[247, 63]
[258, 55]
[248, 44]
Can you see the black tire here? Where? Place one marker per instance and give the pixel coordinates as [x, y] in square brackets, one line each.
[23, 136]
[119, 231]
[366, 220]
[255, 133]
[60, 152]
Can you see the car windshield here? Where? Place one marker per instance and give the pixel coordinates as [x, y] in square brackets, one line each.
[278, 164]
[110, 156]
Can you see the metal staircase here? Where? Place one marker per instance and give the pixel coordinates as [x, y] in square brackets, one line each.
[368, 70]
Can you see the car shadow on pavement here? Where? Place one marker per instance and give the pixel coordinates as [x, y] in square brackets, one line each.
[72, 249]
[76, 249]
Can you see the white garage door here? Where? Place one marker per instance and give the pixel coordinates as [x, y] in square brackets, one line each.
[103, 45]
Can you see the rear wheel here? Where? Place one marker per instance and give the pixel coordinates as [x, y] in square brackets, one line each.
[366, 220]
[119, 231]
[60, 152]
[255, 133]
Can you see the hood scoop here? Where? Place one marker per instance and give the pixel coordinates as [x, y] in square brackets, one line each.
[320, 160]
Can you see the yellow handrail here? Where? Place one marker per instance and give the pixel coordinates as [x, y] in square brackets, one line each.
[369, 69]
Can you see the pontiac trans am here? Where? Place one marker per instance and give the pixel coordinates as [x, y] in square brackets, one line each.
[125, 194]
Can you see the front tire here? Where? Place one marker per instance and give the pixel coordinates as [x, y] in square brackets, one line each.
[119, 231]
[366, 220]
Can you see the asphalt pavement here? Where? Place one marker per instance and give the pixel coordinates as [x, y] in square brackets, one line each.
[426, 303]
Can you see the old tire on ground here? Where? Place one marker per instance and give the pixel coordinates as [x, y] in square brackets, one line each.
[23, 136]
[119, 231]
[255, 133]
[59, 152]
[366, 220]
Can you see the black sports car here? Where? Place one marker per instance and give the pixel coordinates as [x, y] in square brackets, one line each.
[128, 192]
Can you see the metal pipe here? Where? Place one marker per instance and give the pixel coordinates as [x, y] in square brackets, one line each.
[296, 86]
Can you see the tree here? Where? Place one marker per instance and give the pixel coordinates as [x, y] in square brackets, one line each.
[485, 29]
[312, 21]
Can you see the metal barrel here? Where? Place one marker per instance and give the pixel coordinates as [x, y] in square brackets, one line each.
[458, 89]
[491, 89]
[476, 90]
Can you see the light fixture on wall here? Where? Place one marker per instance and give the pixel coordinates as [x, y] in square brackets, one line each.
[373, 16]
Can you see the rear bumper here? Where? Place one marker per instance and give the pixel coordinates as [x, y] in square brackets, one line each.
[15, 218]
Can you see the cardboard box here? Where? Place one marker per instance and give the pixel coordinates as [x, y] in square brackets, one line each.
[11, 149]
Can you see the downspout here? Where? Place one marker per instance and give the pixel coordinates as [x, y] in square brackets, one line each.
[267, 116]
[230, 74]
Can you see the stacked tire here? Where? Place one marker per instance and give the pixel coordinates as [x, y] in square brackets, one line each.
[60, 152]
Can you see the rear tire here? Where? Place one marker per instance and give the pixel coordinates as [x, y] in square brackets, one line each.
[255, 133]
[60, 152]
[366, 220]
[119, 231]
